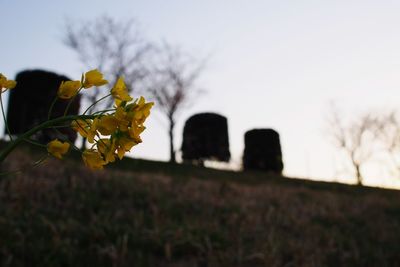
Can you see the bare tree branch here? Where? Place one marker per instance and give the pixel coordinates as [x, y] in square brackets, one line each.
[357, 139]
[173, 84]
[389, 137]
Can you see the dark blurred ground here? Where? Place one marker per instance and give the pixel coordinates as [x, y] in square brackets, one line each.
[158, 214]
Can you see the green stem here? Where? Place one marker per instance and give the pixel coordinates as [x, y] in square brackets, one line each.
[11, 146]
[40, 161]
[4, 118]
[34, 142]
[103, 111]
[51, 107]
[60, 126]
[71, 100]
[97, 101]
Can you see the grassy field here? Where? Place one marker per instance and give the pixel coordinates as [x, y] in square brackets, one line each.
[143, 213]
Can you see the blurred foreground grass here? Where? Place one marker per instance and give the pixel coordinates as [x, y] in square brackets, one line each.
[143, 213]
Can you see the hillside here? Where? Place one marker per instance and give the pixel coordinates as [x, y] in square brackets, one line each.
[143, 213]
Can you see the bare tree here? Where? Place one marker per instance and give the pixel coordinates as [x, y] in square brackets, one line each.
[389, 137]
[356, 139]
[116, 48]
[173, 85]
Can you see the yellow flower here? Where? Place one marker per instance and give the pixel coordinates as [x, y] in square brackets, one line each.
[107, 125]
[124, 144]
[93, 159]
[58, 148]
[135, 131]
[120, 92]
[81, 126]
[94, 78]
[86, 128]
[8, 84]
[142, 110]
[122, 117]
[68, 89]
[107, 150]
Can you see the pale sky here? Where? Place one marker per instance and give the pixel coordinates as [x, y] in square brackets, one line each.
[273, 64]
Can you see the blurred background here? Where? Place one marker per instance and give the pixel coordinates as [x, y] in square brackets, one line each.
[287, 65]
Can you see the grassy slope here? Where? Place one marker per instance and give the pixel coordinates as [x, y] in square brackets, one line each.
[143, 213]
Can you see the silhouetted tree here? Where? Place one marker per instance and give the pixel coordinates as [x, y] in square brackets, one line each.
[357, 139]
[30, 101]
[205, 136]
[172, 84]
[388, 135]
[116, 48]
[262, 151]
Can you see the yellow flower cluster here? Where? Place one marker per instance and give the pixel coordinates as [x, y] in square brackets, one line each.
[6, 84]
[111, 134]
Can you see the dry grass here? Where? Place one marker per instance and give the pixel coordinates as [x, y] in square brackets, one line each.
[62, 214]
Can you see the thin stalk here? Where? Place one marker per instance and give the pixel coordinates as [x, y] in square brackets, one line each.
[103, 111]
[97, 101]
[51, 107]
[40, 161]
[4, 118]
[59, 127]
[34, 142]
[11, 146]
[70, 101]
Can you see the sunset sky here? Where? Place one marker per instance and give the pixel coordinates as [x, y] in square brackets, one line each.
[274, 64]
